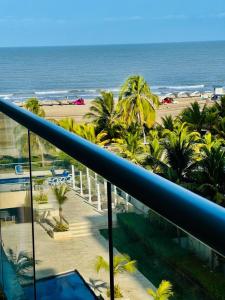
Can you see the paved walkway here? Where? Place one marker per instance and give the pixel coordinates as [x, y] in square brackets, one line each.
[78, 253]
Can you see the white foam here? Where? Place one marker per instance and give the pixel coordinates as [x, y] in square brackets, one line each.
[113, 89]
[51, 92]
[6, 95]
[180, 87]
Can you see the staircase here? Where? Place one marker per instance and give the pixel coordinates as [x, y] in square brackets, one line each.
[82, 229]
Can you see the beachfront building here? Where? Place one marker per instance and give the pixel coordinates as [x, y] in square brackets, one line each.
[82, 223]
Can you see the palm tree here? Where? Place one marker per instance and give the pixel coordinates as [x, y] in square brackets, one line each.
[180, 152]
[61, 197]
[121, 264]
[209, 141]
[130, 146]
[103, 111]
[137, 103]
[219, 106]
[164, 291]
[22, 263]
[38, 145]
[194, 116]
[219, 127]
[33, 105]
[68, 124]
[88, 132]
[155, 152]
[168, 122]
[211, 172]
[211, 117]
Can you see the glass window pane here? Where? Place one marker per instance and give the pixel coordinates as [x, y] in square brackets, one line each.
[17, 263]
[70, 209]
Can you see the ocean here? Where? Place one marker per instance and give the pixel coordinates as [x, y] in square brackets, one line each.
[83, 71]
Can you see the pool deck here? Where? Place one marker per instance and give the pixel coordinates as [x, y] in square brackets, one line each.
[59, 256]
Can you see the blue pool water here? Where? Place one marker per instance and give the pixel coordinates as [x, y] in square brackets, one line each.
[15, 180]
[69, 286]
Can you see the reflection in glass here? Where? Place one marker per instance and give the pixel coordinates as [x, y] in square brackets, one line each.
[163, 252]
[17, 261]
[70, 209]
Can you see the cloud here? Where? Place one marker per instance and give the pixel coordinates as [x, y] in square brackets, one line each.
[124, 18]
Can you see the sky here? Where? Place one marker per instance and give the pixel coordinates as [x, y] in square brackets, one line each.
[91, 22]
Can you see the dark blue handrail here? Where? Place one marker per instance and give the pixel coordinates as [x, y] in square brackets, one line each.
[196, 215]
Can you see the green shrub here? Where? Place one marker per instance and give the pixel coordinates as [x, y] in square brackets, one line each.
[117, 292]
[41, 198]
[39, 181]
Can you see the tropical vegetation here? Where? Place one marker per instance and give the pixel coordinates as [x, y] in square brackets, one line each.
[188, 149]
[41, 198]
[61, 192]
[22, 263]
[33, 105]
[121, 264]
[38, 145]
[163, 292]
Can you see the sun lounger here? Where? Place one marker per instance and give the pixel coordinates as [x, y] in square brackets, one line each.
[19, 170]
[65, 173]
[53, 181]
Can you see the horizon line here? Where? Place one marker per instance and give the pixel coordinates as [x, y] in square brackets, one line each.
[112, 44]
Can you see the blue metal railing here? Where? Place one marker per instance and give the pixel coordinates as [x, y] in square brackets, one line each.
[196, 215]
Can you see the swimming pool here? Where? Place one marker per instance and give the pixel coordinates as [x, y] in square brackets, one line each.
[14, 180]
[68, 286]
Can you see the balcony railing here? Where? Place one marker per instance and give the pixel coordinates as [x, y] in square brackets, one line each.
[113, 208]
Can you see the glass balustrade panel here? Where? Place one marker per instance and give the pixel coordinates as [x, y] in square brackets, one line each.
[17, 261]
[70, 209]
[149, 250]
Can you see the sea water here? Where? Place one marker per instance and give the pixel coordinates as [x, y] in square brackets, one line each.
[83, 71]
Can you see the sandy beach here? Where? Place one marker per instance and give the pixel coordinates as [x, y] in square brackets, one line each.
[77, 112]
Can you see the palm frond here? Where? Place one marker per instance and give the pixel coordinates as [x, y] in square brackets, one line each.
[101, 263]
